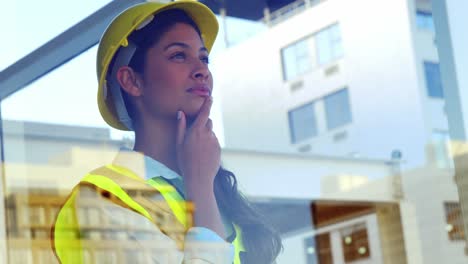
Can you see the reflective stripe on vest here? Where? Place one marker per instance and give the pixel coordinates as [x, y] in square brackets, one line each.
[238, 246]
[66, 222]
[169, 193]
[173, 199]
[64, 242]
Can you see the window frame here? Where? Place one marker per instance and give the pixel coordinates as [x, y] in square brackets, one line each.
[283, 58]
[292, 128]
[313, 54]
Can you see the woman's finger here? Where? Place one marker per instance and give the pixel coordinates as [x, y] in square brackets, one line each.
[204, 113]
[181, 126]
[209, 124]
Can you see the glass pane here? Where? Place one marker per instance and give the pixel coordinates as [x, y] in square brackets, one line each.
[324, 49]
[296, 59]
[289, 63]
[433, 81]
[302, 123]
[424, 21]
[350, 163]
[337, 108]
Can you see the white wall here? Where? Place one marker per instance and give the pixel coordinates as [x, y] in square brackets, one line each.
[379, 67]
[263, 174]
[380, 189]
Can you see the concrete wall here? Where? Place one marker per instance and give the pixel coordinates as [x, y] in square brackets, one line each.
[391, 234]
[425, 191]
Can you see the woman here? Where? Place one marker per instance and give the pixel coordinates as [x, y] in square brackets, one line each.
[154, 79]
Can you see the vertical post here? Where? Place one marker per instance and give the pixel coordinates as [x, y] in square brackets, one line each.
[450, 24]
[222, 13]
[3, 211]
[266, 16]
[396, 175]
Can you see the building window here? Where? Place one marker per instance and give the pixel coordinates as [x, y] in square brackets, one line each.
[296, 59]
[454, 219]
[433, 80]
[337, 109]
[355, 243]
[302, 123]
[299, 57]
[329, 45]
[425, 21]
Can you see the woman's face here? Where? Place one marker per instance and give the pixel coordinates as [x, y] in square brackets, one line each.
[176, 75]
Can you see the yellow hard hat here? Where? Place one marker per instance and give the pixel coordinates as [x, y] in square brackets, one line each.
[110, 100]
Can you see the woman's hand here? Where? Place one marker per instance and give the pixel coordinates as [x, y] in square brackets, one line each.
[199, 158]
[198, 150]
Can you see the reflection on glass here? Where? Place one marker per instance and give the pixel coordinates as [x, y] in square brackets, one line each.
[335, 196]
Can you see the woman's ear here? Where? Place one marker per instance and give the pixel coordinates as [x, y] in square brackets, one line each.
[129, 80]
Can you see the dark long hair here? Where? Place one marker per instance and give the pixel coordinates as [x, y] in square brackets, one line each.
[261, 241]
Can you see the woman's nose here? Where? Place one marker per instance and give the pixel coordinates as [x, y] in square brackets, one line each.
[201, 71]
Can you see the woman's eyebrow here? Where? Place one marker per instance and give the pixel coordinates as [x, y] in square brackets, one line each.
[182, 45]
[179, 44]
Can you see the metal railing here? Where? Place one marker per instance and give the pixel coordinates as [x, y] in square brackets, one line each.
[288, 11]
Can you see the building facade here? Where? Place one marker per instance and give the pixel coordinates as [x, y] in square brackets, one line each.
[345, 78]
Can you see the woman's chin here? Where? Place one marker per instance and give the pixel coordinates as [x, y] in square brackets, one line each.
[192, 110]
[191, 115]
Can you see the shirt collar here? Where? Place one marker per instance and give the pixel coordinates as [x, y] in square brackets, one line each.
[144, 166]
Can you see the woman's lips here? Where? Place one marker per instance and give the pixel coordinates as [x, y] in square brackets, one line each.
[200, 91]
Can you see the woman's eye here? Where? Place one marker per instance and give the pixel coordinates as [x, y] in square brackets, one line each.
[178, 56]
[205, 59]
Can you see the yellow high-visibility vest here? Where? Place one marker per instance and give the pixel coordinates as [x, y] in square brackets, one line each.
[106, 178]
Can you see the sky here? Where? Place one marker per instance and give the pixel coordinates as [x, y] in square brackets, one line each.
[67, 95]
